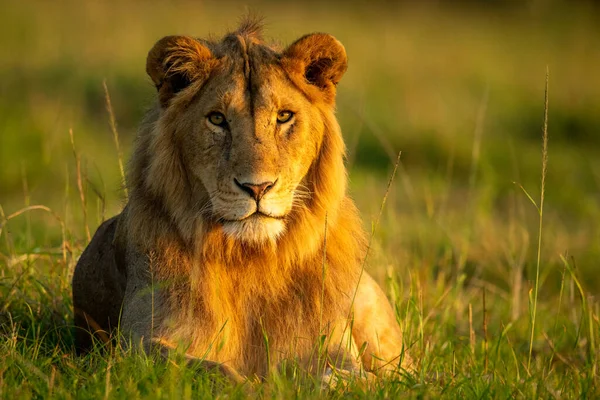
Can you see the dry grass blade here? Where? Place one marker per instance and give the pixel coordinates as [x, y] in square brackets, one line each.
[374, 228]
[80, 186]
[113, 127]
[471, 330]
[107, 385]
[30, 208]
[476, 150]
[323, 272]
[485, 332]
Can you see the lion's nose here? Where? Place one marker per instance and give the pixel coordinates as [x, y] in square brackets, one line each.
[255, 190]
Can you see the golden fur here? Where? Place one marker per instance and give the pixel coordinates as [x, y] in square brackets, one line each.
[199, 263]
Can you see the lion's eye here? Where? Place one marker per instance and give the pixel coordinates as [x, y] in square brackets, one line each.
[284, 116]
[216, 118]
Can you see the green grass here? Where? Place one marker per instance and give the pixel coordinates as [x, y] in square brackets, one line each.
[460, 91]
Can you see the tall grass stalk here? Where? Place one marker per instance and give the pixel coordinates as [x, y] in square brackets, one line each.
[113, 127]
[80, 187]
[541, 219]
[369, 245]
[321, 362]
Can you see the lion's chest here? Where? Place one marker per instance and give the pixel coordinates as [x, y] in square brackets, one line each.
[253, 327]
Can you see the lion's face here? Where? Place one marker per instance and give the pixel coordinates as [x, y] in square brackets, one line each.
[246, 128]
[251, 149]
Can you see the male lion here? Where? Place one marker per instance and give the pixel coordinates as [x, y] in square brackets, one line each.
[238, 231]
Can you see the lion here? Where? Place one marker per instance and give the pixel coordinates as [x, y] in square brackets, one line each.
[239, 243]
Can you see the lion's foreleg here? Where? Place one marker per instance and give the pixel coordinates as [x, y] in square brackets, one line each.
[166, 349]
[375, 329]
[142, 324]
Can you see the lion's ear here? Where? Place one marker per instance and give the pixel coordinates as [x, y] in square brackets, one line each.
[320, 59]
[175, 62]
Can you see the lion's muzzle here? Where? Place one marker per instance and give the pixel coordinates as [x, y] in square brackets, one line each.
[255, 190]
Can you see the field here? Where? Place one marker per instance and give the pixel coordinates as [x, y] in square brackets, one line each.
[487, 245]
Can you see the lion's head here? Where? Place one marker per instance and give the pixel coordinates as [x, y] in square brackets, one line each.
[244, 139]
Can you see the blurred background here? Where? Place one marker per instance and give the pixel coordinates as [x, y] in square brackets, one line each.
[457, 87]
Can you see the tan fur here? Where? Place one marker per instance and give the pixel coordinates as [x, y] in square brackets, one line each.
[192, 262]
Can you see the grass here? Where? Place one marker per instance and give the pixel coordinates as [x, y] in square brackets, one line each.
[489, 309]
[540, 209]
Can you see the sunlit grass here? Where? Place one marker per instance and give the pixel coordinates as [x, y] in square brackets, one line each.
[459, 92]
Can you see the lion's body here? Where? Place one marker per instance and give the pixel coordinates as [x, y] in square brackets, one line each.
[246, 281]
